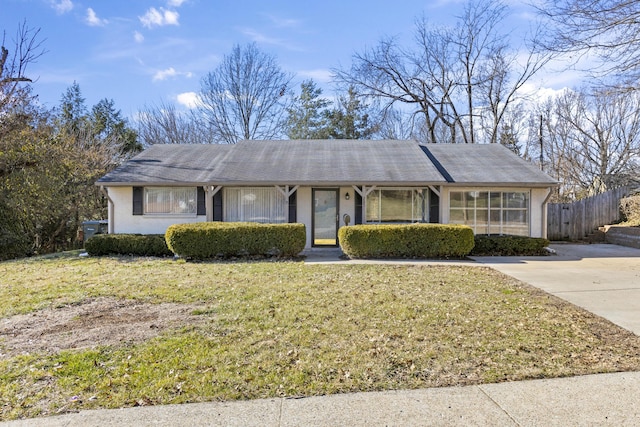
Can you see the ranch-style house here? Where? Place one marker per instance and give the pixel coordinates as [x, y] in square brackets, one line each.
[327, 184]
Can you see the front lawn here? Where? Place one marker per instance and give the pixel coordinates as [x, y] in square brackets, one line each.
[270, 329]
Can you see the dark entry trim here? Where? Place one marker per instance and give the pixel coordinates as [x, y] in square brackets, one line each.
[293, 207]
[358, 208]
[200, 202]
[217, 206]
[138, 196]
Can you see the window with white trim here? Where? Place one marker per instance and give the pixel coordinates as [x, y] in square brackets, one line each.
[170, 200]
[384, 205]
[254, 204]
[491, 212]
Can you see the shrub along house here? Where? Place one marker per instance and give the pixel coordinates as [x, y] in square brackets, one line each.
[326, 184]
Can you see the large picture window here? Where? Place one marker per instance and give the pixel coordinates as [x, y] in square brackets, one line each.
[170, 200]
[491, 212]
[395, 205]
[254, 204]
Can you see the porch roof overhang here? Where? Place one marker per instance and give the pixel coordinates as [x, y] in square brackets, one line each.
[501, 185]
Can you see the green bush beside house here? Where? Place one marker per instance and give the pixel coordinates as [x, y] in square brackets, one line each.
[406, 241]
[128, 244]
[207, 240]
[509, 246]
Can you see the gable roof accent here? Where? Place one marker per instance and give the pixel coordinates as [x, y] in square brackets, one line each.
[482, 164]
[327, 163]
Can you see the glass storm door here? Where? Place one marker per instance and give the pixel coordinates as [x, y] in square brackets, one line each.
[325, 217]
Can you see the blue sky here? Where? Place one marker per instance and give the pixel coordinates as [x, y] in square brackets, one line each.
[142, 52]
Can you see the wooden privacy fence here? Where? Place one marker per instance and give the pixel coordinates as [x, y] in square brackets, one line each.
[574, 221]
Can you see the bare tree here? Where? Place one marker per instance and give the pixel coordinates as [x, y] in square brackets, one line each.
[460, 79]
[608, 29]
[592, 141]
[26, 49]
[395, 124]
[244, 98]
[163, 123]
[550, 146]
[393, 76]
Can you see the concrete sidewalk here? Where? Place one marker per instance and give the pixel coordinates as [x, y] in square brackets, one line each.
[607, 399]
[604, 279]
[603, 400]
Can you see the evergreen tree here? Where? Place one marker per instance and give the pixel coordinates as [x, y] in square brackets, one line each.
[73, 111]
[104, 125]
[308, 117]
[351, 119]
[108, 124]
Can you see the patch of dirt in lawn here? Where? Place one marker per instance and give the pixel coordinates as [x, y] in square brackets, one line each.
[91, 323]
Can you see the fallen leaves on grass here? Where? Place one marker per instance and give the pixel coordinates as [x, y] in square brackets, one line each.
[264, 329]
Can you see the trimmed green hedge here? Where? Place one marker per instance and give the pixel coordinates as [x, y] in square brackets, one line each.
[127, 244]
[509, 246]
[406, 241]
[207, 240]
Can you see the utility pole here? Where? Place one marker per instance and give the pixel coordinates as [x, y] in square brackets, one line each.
[541, 145]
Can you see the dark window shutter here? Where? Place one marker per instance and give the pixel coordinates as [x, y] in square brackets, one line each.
[293, 202]
[201, 205]
[138, 195]
[217, 206]
[358, 206]
[434, 207]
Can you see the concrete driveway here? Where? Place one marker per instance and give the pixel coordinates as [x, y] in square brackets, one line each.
[604, 279]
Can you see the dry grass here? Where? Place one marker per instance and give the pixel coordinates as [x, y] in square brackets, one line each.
[289, 329]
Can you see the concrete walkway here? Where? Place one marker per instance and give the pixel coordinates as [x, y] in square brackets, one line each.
[604, 279]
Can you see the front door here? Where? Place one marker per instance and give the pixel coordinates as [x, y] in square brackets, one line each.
[325, 217]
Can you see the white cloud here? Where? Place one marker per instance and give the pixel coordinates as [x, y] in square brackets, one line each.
[138, 37]
[165, 74]
[62, 6]
[175, 3]
[319, 75]
[283, 22]
[170, 72]
[443, 3]
[93, 20]
[188, 99]
[259, 37]
[541, 93]
[155, 17]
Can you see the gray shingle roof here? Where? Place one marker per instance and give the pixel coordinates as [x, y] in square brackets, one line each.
[170, 164]
[329, 162]
[326, 162]
[485, 164]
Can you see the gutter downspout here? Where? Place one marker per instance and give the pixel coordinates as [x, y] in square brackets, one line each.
[110, 211]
